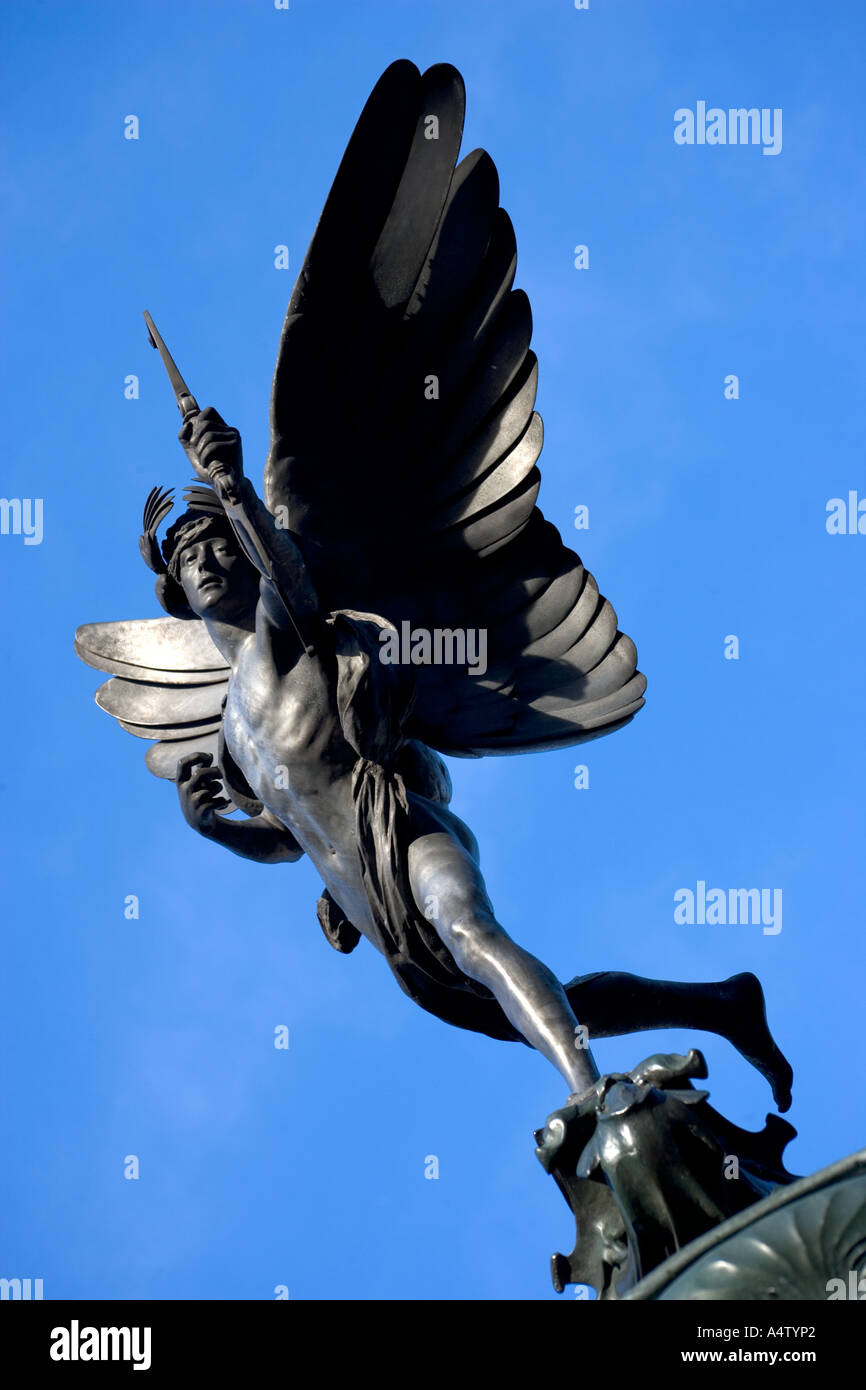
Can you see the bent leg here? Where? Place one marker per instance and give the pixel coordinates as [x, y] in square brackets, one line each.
[612, 1003]
[449, 891]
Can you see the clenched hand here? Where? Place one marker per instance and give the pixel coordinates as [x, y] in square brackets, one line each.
[200, 789]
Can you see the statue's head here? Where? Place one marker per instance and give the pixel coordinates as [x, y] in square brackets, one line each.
[205, 562]
[202, 570]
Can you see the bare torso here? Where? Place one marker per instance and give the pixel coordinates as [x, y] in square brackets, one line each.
[283, 730]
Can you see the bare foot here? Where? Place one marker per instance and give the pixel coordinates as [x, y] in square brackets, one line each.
[750, 1034]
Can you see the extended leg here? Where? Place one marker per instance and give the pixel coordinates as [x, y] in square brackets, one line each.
[612, 1003]
[449, 890]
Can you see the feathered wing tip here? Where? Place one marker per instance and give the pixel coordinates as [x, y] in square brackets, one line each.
[200, 498]
[157, 507]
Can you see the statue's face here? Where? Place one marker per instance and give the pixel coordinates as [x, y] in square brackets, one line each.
[217, 579]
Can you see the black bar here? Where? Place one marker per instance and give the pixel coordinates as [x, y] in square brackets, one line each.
[214, 1339]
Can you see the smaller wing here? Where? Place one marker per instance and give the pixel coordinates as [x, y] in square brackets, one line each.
[168, 683]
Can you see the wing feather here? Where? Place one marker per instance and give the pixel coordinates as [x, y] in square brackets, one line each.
[162, 758]
[499, 481]
[505, 429]
[165, 643]
[178, 702]
[146, 702]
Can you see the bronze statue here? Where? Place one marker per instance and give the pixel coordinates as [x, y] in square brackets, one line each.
[398, 516]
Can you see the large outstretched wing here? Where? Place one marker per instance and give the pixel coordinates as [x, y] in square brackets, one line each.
[404, 439]
[167, 683]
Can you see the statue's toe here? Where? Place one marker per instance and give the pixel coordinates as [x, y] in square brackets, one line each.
[752, 1037]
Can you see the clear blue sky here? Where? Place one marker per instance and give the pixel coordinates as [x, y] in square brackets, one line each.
[707, 518]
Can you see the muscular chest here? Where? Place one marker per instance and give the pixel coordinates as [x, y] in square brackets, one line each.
[276, 721]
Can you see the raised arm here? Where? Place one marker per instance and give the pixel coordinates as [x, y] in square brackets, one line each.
[214, 449]
[262, 838]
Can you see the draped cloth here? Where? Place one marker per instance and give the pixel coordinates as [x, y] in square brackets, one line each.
[390, 774]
